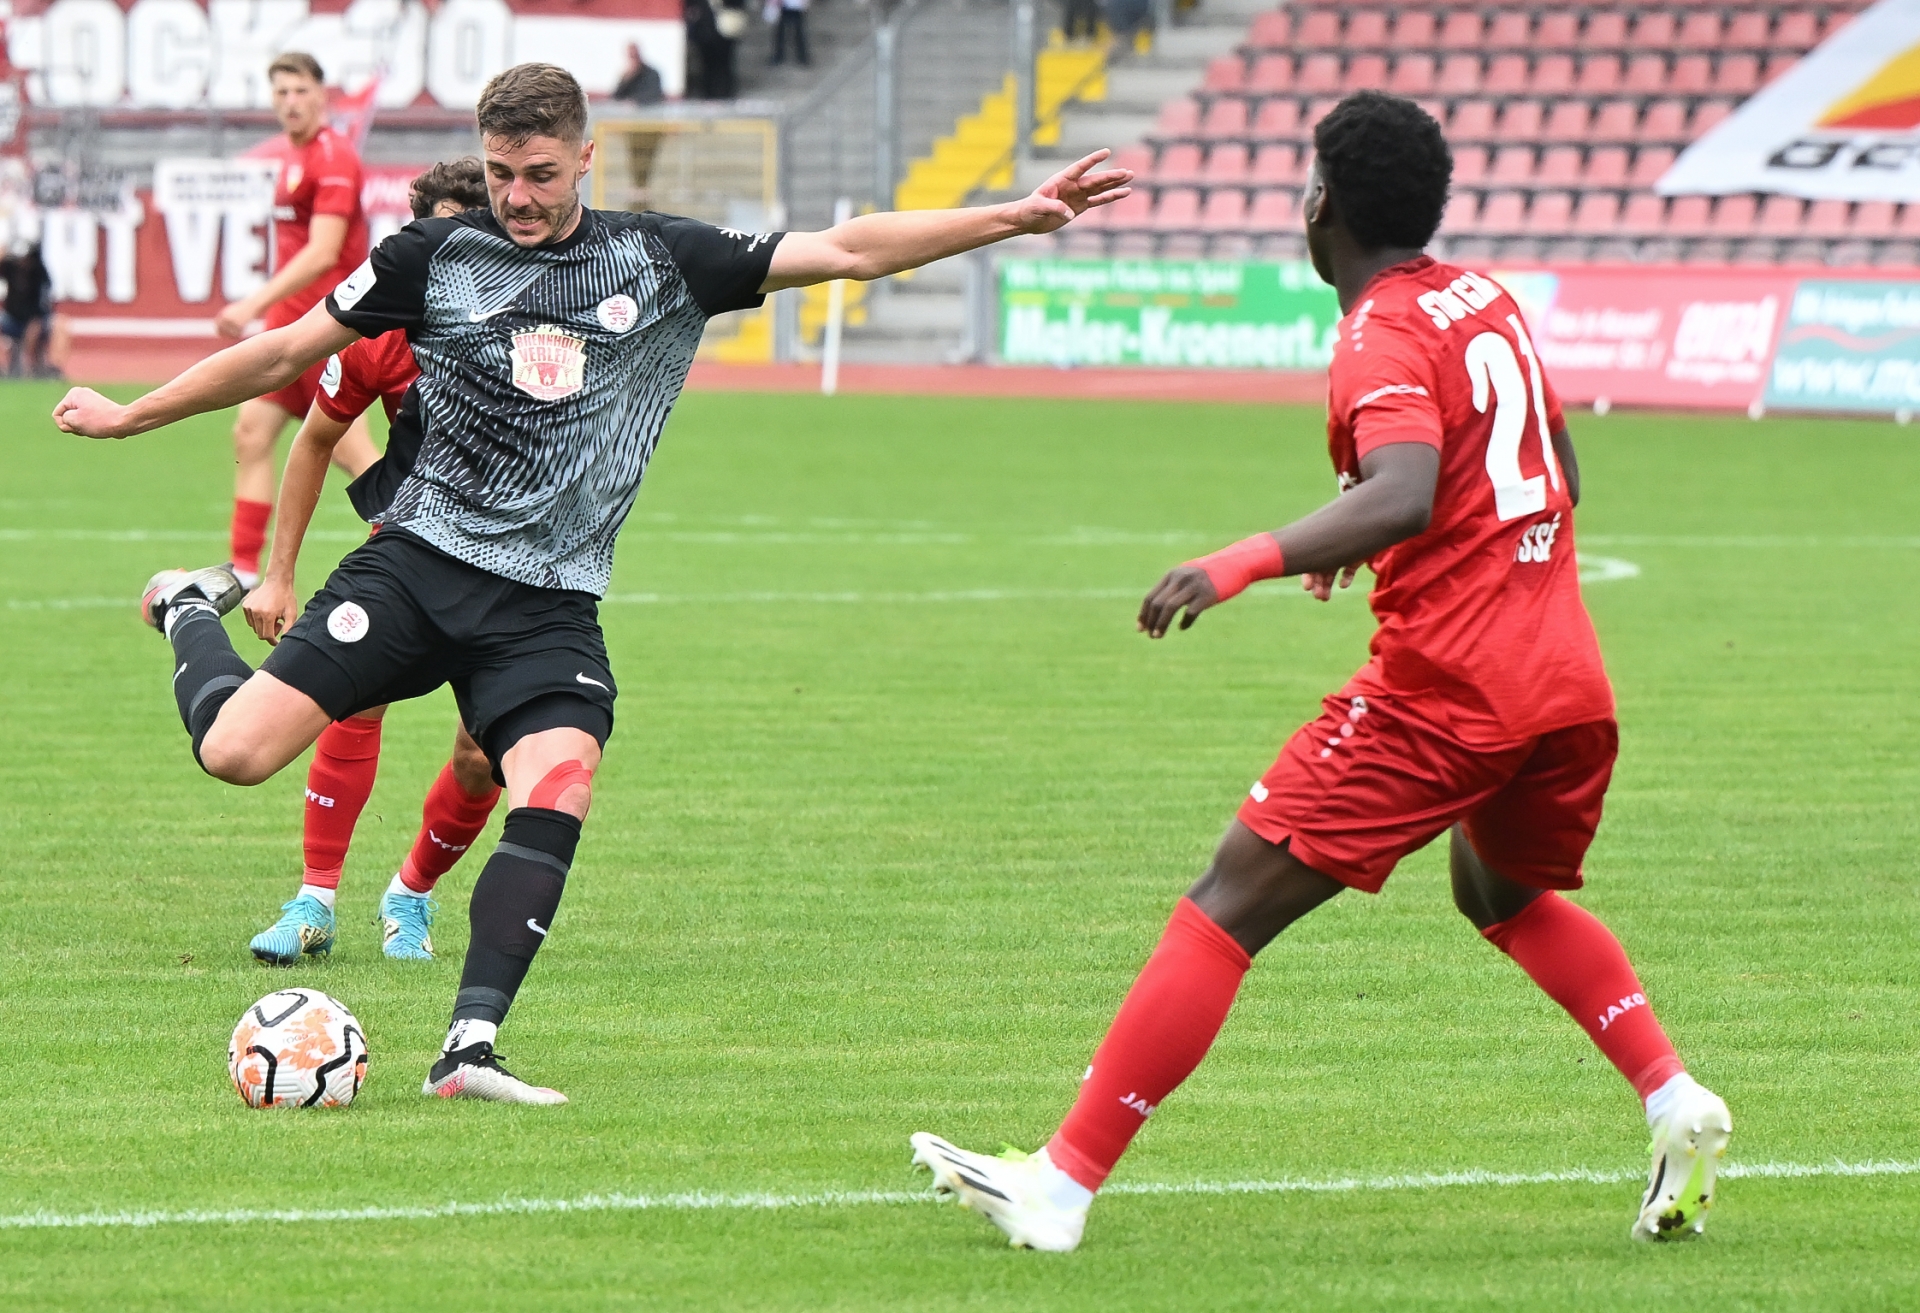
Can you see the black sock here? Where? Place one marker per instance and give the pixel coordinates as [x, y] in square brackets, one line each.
[209, 671]
[512, 909]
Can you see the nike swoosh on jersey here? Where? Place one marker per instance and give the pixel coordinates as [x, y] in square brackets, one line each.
[475, 316]
[582, 679]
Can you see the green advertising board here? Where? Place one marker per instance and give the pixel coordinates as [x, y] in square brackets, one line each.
[1849, 345]
[1185, 313]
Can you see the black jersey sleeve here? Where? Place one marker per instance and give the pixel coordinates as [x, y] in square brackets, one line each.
[389, 290]
[723, 267]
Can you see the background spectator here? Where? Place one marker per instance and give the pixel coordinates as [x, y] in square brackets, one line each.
[27, 319]
[640, 83]
[788, 16]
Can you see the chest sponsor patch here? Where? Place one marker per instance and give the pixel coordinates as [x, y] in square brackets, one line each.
[330, 377]
[548, 364]
[618, 313]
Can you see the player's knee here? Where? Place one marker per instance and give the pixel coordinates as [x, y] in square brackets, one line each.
[228, 755]
[567, 788]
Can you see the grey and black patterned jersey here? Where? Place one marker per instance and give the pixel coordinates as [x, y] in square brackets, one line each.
[546, 374]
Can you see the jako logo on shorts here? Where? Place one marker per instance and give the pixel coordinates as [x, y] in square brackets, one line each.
[348, 623]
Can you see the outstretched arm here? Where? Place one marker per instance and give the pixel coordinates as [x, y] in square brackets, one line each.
[875, 245]
[1392, 502]
[249, 369]
[272, 607]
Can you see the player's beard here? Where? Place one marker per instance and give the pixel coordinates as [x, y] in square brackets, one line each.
[555, 217]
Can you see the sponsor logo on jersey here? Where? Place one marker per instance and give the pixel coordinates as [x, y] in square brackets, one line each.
[752, 240]
[348, 623]
[1465, 295]
[355, 285]
[330, 377]
[549, 364]
[618, 313]
[1536, 542]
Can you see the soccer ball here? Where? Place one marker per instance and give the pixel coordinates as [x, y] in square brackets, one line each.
[297, 1048]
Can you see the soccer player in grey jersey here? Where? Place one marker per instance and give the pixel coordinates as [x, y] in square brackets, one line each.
[552, 342]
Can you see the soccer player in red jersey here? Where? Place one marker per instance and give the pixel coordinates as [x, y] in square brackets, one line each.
[320, 236]
[1485, 710]
[346, 756]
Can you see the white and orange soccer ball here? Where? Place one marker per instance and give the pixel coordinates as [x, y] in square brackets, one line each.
[297, 1048]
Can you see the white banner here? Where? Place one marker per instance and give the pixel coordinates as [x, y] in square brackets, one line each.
[1843, 124]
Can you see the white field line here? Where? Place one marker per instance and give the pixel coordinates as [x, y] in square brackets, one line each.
[705, 1201]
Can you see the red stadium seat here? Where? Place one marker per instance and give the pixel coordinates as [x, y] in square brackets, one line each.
[1606, 30]
[1226, 210]
[1566, 121]
[1520, 121]
[1551, 213]
[1459, 75]
[1692, 75]
[1502, 212]
[1653, 30]
[1512, 166]
[1462, 30]
[1558, 29]
[1413, 30]
[1700, 30]
[1738, 75]
[1749, 30]
[1646, 74]
[1873, 219]
[1366, 73]
[1227, 165]
[1413, 75]
[1318, 73]
[1178, 210]
[1226, 117]
[1366, 30]
[1178, 118]
[1133, 211]
[1277, 118]
[1798, 29]
[1735, 216]
[1559, 167]
[1506, 75]
[1645, 214]
[1780, 216]
[1775, 66]
[1276, 165]
[1835, 20]
[1137, 158]
[1469, 165]
[1618, 120]
[1651, 165]
[1691, 216]
[1828, 219]
[1319, 29]
[1472, 121]
[1606, 167]
[1177, 163]
[1317, 110]
[1707, 116]
[1272, 30]
[1908, 224]
[1273, 211]
[1227, 73]
[1598, 214]
[1552, 75]
[1599, 75]
[1271, 73]
[1462, 214]
[1666, 120]
[1512, 29]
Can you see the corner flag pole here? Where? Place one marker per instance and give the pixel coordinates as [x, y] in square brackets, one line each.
[836, 314]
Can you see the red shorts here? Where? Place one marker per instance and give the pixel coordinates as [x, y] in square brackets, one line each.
[296, 398]
[1371, 781]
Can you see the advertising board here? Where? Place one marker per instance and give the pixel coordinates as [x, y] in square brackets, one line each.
[1849, 345]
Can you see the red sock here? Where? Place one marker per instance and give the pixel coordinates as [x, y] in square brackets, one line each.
[249, 533]
[1164, 1028]
[339, 782]
[1582, 967]
[449, 823]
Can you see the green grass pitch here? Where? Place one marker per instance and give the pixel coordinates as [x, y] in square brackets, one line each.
[897, 804]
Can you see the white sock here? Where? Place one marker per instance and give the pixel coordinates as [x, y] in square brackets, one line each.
[324, 894]
[399, 886]
[1661, 1101]
[467, 1032]
[1062, 1190]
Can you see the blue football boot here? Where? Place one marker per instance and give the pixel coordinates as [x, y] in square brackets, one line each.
[305, 926]
[406, 920]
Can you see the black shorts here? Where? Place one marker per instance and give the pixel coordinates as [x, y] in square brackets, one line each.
[399, 618]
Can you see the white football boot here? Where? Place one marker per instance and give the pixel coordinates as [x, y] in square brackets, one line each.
[1019, 1193]
[475, 1072]
[214, 586]
[1689, 1139]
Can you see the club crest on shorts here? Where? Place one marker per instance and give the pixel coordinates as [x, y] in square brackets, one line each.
[548, 364]
[348, 622]
[618, 313]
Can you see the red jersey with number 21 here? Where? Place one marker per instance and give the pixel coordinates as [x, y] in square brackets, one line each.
[1482, 629]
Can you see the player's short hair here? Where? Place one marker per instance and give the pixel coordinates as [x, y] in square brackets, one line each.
[1388, 166]
[297, 62]
[463, 181]
[533, 100]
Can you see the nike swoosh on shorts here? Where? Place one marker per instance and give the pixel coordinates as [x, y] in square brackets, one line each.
[582, 679]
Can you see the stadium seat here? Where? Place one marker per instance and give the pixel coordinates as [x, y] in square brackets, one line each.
[1798, 29]
[1700, 30]
[1365, 73]
[1462, 212]
[1271, 73]
[1317, 110]
[1646, 74]
[1749, 30]
[1558, 29]
[1413, 75]
[1566, 121]
[1272, 30]
[1734, 216]
[1606, 30]
[1178, 163]
[1132, 211]
[1506, 75]
[1650, 165]
[1137, 158]
[1178, 210]
[1366, 30]
[1598, 214]
[1520, 121]
[1644, 215]
[1225, 210]
[1777, 65]
[1873, 219]
[1226, 117]
[1780, 216]
[1462, 30]
[1606, 167]
[1832, 219]
[1706, 116]
[1691, 216]
[1178, 118]
[1666, 120]
[1318, 30]
[1273, 211]
[1276, 165]
[1559, 167]
[1227, 165]
[1503, 213]
[1472, 121]
[1318, 73]
[1459, 75]
[1653, 30]
[1512, 30]
[1469, 165]
[1512, 166]
[1279, 117]
[1692, 75]
[1552, 75]
[1737, 75]
[1227, 73]
[1617, 120]
[1908, 222]
[1599, 75]
[1413, 30]
[1551, 213]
